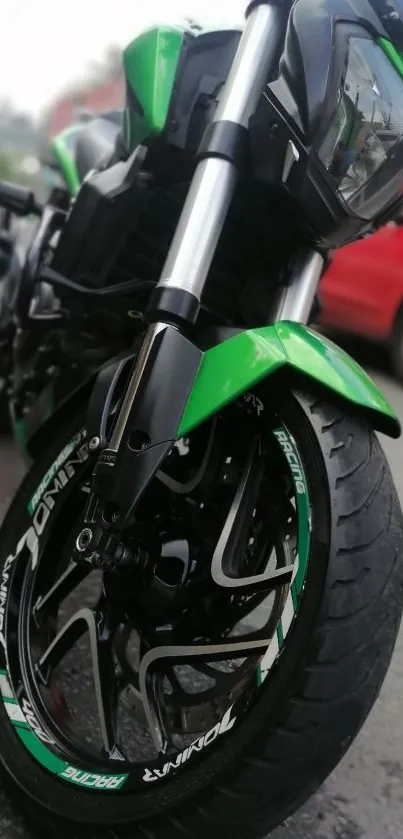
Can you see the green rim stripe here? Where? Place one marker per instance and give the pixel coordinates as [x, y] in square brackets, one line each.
[55, 764]
[44, 756]
[40, 752]
[301, 560]
[50, 761]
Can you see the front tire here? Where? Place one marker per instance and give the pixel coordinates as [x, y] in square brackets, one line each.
[318, 692]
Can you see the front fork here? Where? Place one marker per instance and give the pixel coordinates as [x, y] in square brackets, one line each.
[165, 370]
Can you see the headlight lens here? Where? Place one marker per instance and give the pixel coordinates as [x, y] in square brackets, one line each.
[366, 130]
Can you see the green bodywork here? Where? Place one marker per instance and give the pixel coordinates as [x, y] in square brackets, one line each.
[150, 64]
[393, 54]
[63, 151]
[238, 364]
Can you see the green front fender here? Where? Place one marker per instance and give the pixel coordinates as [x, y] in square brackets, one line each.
[238, 364]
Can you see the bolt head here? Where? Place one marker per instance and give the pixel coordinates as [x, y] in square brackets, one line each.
[84, 539]
[94, 444]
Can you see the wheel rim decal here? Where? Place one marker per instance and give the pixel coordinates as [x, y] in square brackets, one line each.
[15, 713]
[44, 756]
[289, 447]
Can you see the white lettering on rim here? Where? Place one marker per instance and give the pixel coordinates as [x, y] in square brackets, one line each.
[222, 727]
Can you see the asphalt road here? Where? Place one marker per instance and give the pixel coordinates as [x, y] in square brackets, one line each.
[363, 799]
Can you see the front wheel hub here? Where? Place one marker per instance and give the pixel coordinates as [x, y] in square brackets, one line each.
[100, 548]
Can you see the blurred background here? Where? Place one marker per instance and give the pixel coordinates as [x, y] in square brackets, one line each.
[57, 61]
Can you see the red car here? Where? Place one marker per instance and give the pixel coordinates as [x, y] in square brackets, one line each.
[362, 291]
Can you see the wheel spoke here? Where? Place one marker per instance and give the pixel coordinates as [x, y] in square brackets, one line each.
[63, 642]
[184, 654]
[175, 683]
[64, 585]
[223, 680]
[221, 677]
[231, 546]
[101, 637]
[96, 623]
[160, 729]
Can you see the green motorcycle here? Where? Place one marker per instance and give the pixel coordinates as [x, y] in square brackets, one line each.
[202, 574]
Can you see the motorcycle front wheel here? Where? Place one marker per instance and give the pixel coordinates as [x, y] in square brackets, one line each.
[211, 684]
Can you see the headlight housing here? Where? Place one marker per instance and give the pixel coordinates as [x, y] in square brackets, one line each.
[363, 147]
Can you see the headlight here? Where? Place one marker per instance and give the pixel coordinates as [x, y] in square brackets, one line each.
[365, 135]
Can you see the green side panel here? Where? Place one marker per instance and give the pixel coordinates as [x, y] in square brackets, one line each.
[233, 367]
[63, 146]
[150, 63]
[393, 54]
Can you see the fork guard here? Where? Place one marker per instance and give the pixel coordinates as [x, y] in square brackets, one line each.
[233, 367]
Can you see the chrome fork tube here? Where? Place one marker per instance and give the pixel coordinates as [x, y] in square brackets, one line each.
[295, 301]
[214, 183]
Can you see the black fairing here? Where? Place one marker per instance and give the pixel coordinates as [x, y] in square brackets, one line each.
[296, 108]
[96, 143]
[203, 69]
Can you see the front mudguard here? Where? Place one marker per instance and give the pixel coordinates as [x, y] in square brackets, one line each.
[238, 364]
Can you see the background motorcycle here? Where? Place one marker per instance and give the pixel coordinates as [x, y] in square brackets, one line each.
[10, 268]
[202, 573]
[42, 358]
